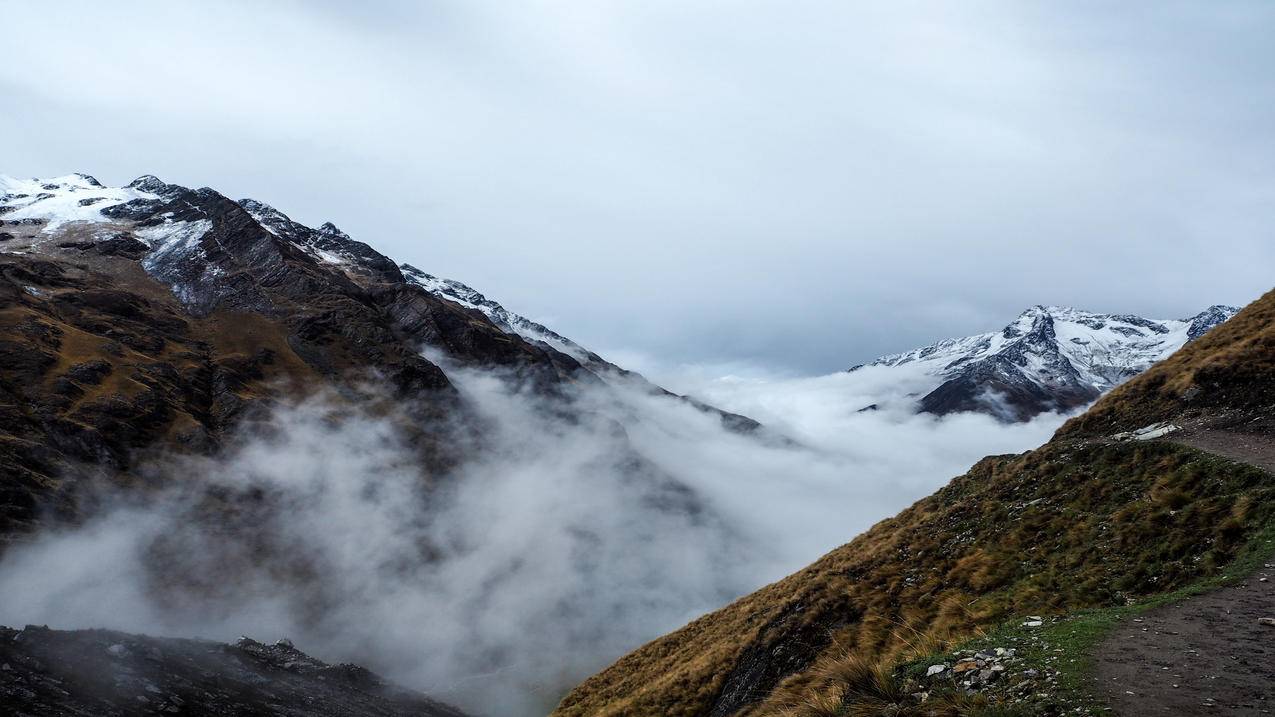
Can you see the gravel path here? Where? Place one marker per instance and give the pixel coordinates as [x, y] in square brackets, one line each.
[1257, 449]
[1207, 655]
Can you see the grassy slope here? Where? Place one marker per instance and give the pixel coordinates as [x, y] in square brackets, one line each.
[1076, 524]
[1229, 368]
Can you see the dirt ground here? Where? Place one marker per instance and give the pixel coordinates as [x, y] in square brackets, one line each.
[1207, 655]
[1256, 449]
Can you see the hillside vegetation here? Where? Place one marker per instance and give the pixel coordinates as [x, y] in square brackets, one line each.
[1082, 522]
[1221, 377]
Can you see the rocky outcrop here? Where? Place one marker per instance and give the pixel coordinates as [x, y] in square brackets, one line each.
[106, 673]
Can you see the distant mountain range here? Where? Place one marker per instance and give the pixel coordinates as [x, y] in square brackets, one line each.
[1051, 358]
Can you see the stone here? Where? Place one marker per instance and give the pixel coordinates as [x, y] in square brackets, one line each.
[934, 670]
[117, 650]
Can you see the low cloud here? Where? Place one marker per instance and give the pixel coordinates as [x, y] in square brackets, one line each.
[577, 533]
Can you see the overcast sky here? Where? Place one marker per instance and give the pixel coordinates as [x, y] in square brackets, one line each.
[800, 185]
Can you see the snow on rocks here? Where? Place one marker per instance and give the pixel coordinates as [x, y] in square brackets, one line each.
[62, 200]
[1069, 354]
[173, 241]
[1147, 433]
[458, 293]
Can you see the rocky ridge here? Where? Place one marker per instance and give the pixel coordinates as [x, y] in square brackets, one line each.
[106, 673]
[1051, 358]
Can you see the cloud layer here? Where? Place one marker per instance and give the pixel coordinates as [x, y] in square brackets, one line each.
[579, 531]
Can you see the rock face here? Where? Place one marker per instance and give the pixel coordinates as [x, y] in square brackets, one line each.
[1050, 358]
[100, 672]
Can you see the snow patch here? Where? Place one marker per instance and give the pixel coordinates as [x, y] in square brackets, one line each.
[61, 200]
[458, 293]
[1148, 433]
[173, 242]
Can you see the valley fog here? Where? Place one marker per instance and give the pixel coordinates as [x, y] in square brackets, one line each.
[561, 545]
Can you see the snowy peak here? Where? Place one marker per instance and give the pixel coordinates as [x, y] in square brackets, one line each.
[1049, 358]
[1207, 319]
[197, 240]
[154, 185]
[60, 200]
[330, 229]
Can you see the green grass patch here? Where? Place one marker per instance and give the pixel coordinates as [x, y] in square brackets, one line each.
[1067, 644]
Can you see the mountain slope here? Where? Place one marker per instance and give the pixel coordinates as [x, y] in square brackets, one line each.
[1050, 358]
[1084, 521]
[319, 443]
[155, 318]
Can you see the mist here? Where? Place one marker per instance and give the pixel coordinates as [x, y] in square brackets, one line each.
[586, 525]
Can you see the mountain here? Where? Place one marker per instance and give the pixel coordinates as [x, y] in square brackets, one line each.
[989, 596]
[151, 333]
[1051, 358]
[156, 317]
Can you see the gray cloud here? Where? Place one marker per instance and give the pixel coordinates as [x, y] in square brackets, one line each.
[561, 545]
[805, 184]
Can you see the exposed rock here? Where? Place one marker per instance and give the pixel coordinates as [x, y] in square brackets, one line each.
[98, 672]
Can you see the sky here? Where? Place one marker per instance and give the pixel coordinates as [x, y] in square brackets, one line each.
[799, 185]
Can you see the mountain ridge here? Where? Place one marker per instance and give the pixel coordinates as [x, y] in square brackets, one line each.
[156, 314]
[1050, 358]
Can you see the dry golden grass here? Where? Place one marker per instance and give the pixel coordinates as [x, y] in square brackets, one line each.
[1060, 528]
[1073, 524]
[1231, 367]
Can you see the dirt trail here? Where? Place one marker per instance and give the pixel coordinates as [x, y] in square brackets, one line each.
[1206, 655]
[1256, 449]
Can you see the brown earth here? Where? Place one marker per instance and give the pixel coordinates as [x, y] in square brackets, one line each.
[1255, 449]
[1206, 655]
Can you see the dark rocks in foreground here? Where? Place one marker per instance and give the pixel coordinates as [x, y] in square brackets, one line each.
[102, 672]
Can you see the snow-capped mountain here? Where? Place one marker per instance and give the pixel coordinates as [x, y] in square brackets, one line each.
[217, 254]
[1051, 358]
[171, 239]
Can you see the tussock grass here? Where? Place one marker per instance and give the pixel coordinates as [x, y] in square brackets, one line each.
[1077, 637]
[1231, 367]
[1065, 527]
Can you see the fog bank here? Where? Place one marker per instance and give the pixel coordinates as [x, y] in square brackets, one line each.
[584, 527]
